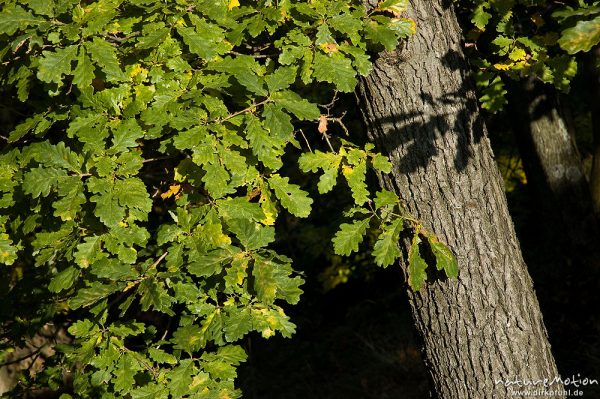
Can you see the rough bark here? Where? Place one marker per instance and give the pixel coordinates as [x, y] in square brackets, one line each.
[420, 109]
[553, 166]
[593, 65]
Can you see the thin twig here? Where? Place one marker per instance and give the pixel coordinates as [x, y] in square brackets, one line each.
[20, 359]
[305, 139]
[331, 103]
[243, 111]
[339, 121]
[326, 136]
[157, 159]
[122, 39]
[152, 266]
[255, 55]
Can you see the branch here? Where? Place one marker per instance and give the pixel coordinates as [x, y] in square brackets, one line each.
[20, 359]
[243, 111]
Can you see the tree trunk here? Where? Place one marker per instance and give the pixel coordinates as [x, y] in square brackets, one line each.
[420, 109]
[553, 167]
[593, 66]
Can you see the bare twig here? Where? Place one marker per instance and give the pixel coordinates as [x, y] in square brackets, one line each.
[243, 111]
[157, 159]
[20, 359]
[163, 256]
[121, 39]
[305, 139]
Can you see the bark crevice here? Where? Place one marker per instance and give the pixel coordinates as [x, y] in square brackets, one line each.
[423, 113]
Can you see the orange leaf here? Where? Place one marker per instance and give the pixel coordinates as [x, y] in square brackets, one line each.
[173, 190]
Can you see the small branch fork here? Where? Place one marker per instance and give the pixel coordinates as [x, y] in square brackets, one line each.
[326, 118]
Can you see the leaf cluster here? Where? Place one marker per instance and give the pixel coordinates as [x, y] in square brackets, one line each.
[514, 39]
[142, 176]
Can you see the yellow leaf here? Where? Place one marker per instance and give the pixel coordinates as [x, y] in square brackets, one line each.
[224, 395]
[130, 285]
[503, 67]
[267, 333]
[269, 209]
[233, 4]
[136, 69]
[173, 190]
[517, 54]
[329, 47]
[347, 170]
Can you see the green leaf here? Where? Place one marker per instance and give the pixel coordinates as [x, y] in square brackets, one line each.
[295, 200]
[39, 181]
[53, 65]
[108, 209]
[72, 198]
[494, 95]
[349, 236]
[240, 208]
[150, 391]
[381, 163]
[237, 324]
[154, 296]
[124, 372]
[328, 161]
[396, 6]
[8, 252]
[416, 266]
[382, 34]
[262, 144]
[25, 127]
[480, 17]
[16, 18]
[206, 41]
[113, 269]
[160, 356]
[349, 25]
[252, 82]
[89, 251]
[385, 198]
[181, 378]
[404, 27]
[300, 107]
[252, 235]
[272, 280]
[89, 128]
[445, 259]
[105, 57]
[64, 280]
[154, 35]
[216, 180]
[189, 338]
[281, 78]
[132, 193]
[582, 37]
[93, 293]
[84, 71]
[125, 135]
[356, 178]
[386, 249]
[265, 283]
[277, 122]
[212, 263]
[336, 69]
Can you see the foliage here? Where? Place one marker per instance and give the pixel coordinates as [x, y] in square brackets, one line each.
[519, 38]
[146, 168]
